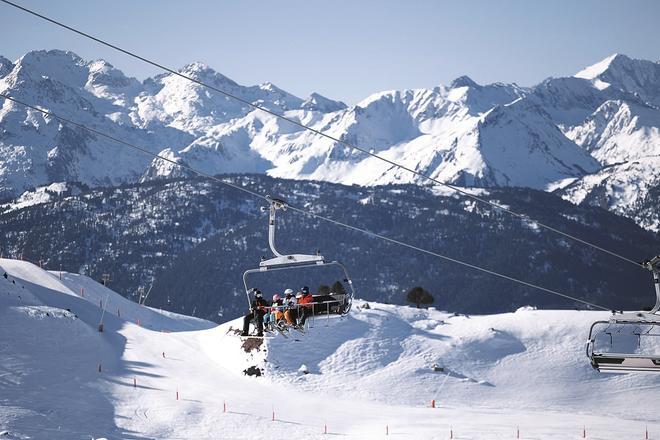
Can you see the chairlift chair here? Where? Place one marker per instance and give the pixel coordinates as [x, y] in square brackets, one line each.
[640, 325]
[333, 304]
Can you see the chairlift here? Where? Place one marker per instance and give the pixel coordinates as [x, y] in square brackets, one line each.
[626, 353]
[335, 303]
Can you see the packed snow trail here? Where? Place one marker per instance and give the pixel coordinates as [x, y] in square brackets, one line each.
[173, 376]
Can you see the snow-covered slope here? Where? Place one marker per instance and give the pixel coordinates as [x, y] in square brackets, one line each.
[620, 131]
[38, 150]
[628, 188]
[639, 77]
[178, 377]
[611, 110]
[625, 138]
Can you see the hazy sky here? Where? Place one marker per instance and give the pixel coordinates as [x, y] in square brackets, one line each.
[347, 49]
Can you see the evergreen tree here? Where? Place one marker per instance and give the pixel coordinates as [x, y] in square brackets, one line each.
[338, 287]
[419, 295]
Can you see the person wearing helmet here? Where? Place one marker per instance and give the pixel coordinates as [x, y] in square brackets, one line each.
[305, 298]
[291, 313]
[275, 314]
[257, 312]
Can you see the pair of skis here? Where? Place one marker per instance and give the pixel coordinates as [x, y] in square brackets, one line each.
[283, 329]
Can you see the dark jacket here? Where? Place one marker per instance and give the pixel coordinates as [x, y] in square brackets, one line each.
[259, 304]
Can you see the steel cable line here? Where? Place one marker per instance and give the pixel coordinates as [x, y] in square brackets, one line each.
[300, 210]
[320, 133]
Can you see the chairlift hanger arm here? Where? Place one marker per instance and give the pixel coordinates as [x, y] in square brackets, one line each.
[275, 204]
[653, 265]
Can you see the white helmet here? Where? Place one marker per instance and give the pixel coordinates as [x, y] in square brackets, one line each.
[288, 292]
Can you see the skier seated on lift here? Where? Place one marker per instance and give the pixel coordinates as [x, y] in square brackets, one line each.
[290, 304]
[276, 313]
[303, 312]
[257, 312]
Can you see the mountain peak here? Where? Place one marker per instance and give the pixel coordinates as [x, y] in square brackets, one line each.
[317, 102]
[269, 87]
[106, 81]
[203, 72]
[631, 76]
[60, 65]
[195, 66]
[197, 69]
[50, 56]
[463, 81]
[602, 66]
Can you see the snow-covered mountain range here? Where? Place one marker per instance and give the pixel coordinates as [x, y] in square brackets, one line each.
[593, 137]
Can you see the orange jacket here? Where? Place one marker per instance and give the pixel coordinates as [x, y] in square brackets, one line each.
[306, 299]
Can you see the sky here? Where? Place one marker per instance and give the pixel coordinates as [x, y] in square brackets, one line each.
[346, 49]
